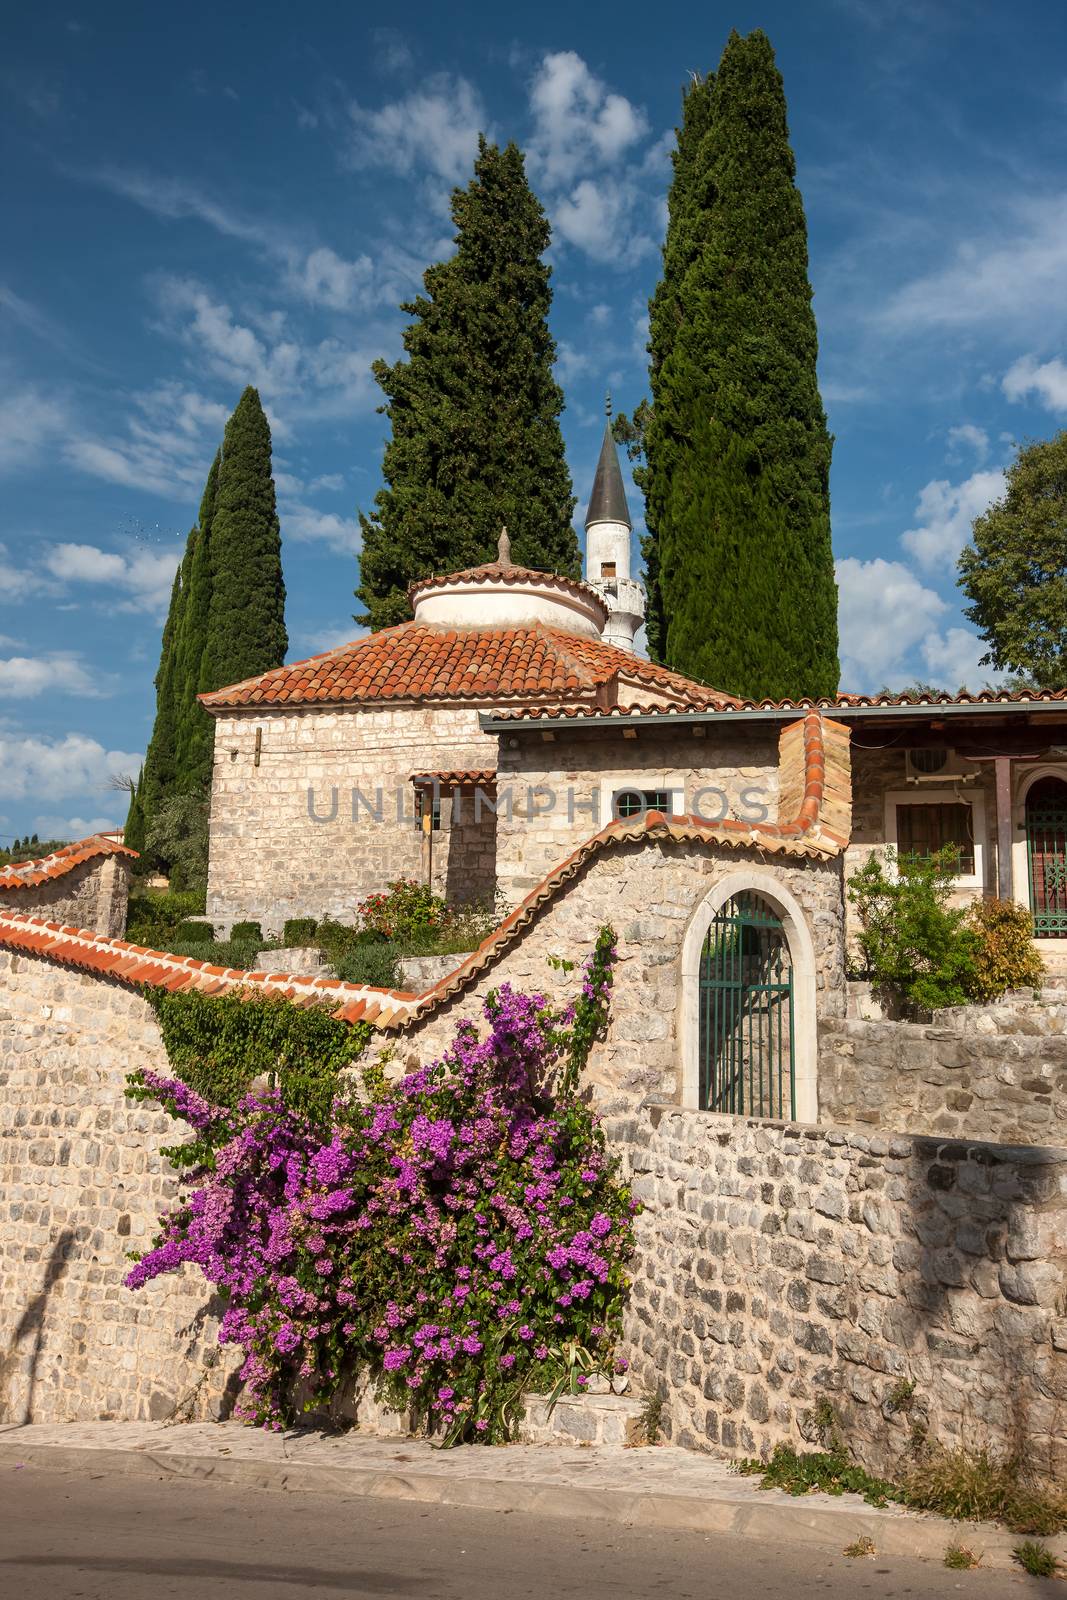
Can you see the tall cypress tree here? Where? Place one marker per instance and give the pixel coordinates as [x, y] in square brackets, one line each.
[738, 453]
[687, 231]
[195, 735]
[474, 408]
[246, 612]
[160, 768]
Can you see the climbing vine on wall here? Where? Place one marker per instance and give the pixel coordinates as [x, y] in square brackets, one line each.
[459, 1236]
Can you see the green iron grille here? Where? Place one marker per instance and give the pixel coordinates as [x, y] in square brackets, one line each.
[746, 1013]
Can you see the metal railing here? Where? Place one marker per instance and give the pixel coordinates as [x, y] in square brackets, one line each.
[746, 1013]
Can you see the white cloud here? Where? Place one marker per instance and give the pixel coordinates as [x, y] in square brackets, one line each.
[145, 575]
[578, 121]
[61, 671]
[326, 279]
[17, 580]
[61, 827]
[946, 512]
[435, 127]
[28, 421]
[597, 216]
[954, 660]
[1012, 277]
[315, 640]
[331, 482]
[175, 199]
[167, 448]
[1047, 380]
[55, 768]
[308, 525]
[968, 436]
[884, 611]
[392, 53]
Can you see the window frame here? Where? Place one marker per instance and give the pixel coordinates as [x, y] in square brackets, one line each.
[942, 795]
[648, 797]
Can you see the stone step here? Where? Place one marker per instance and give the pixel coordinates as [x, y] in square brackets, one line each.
[614, 1419]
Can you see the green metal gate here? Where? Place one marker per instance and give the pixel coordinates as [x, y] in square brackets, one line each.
[1046, 855]
[746, 1013]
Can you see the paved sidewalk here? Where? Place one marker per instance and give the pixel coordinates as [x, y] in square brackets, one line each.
[651, 1488]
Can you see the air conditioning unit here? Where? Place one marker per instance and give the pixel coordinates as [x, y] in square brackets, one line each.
[938, 764]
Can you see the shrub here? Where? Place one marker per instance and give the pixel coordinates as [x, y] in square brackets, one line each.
[247, 933]
[407, 909]
[152, 918]
[913, 942]
[1004, 955]
[374, 964]
[460, 1235]
[298, 932]
[193, 933]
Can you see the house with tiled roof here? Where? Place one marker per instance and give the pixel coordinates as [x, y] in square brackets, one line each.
[480, 744]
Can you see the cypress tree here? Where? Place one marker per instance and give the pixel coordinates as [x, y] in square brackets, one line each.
[738, 453]
[687, 229]
[246, 611]
[474, 408]
[195, 735]
[160, 767]
[134, 831]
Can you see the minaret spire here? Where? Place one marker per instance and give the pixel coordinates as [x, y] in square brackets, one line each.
[607, 546]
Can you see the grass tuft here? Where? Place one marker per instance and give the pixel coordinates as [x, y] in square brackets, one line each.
[960, 1559]
[1037, 1559]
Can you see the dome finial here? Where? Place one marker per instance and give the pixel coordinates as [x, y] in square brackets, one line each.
[607, 406]
[503, 549]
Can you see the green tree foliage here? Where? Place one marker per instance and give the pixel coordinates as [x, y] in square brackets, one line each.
[737, 451]
[473, 406]
[246, 612]
[1015, 569]
[160, 771]
[195, 733]
[226, 622]
[133, 833]
[914, 943]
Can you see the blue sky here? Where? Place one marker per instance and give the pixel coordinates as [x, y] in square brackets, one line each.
[201, 197]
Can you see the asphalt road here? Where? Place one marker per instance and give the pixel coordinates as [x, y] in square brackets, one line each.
[67, 1537]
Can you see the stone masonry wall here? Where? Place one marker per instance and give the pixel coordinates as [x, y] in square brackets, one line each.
[82, 1182]
[781, 1266]
[269, 860]
[585, 768]
[92, 895]
[952, 1077]
[648, 894]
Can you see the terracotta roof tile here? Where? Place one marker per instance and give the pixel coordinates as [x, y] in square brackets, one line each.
[416, 661]
[30, 874]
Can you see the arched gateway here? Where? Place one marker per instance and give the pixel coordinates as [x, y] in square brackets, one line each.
[748, 1002]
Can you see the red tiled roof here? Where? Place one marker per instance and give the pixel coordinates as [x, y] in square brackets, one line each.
[469, 779]
[504, 572]
[133, 964]
[840, 702]
[29, 874]
[417, 661]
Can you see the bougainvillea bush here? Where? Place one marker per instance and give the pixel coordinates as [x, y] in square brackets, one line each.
[460, 1236]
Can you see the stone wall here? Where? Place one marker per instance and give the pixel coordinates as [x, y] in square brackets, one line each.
[781, 1267]
[91, 895]
[584, 769]
[82, 1182]
[962, 1075]
[648, 893]
[270, 860]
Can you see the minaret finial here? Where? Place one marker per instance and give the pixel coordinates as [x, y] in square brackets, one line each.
[607, 406]
[503, 549]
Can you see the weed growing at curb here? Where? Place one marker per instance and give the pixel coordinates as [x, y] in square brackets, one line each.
[1037, 1559]
[824, 1471]
[960, 1559]
[863, 1546]
[650, 1422]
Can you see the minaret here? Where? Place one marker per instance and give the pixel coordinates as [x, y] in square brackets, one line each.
[607, 548]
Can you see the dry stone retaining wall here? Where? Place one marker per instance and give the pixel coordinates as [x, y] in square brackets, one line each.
[956, 1076]
[82, 1182]
[782, 1266]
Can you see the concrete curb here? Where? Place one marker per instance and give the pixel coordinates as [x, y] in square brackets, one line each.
[727, 1506]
